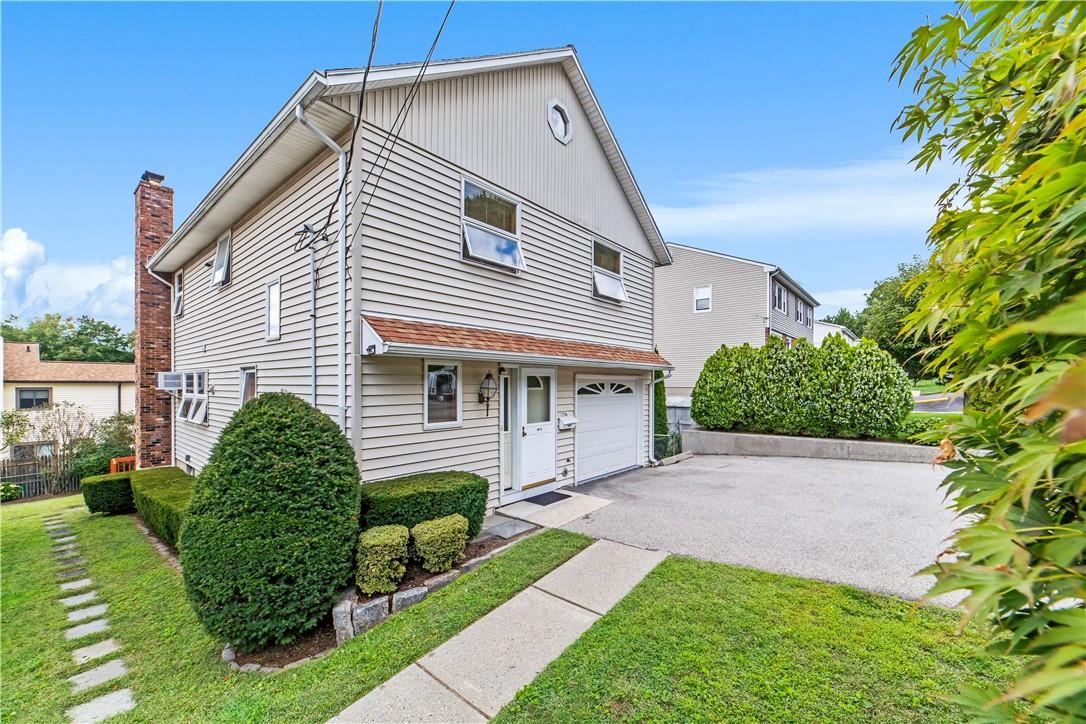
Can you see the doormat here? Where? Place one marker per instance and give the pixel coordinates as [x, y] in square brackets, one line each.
[548, 498]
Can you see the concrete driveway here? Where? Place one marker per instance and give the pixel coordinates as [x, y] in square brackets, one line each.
[867, 524]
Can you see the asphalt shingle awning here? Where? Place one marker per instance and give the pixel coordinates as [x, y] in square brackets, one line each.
[400, 336]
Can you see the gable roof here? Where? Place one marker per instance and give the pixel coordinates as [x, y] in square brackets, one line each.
[283, 145]
[766, 266]
[839, 327]
[23, 363]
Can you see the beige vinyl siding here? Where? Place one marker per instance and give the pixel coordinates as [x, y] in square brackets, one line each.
[394, 442]
[496, 125]
[99, 399]
[786, 323]
[738, 314]
[222, 329]
[412, 266]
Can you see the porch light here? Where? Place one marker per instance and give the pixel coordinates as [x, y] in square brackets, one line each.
[487, 389]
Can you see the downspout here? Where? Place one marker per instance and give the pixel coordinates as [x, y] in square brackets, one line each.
[341, 307]
[769, 306]
[652, 413]
[173, 353]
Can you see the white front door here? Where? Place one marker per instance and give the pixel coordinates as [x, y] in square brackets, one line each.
[537, 426]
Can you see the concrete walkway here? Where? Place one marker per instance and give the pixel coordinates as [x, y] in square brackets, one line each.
[473, 675]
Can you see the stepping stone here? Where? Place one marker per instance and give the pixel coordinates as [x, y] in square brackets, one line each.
[80, 599]
[67, 539]
[73, 561]
[54, 525]
[95, 651]
[65, 547]
[83, 614]
[107, 705]
[61, 555]
[73, 585]
[86, 629]
[60, 532]
[98, 675]
[510, 529]
[71, 573]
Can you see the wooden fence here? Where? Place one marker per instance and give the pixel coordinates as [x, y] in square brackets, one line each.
[33, 481]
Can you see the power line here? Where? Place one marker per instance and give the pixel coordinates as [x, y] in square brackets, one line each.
[393, 134]
[307, 235]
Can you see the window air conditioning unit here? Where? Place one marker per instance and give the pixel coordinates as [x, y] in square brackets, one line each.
[169, 381]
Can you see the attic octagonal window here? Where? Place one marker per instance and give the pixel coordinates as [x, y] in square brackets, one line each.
[560, 123]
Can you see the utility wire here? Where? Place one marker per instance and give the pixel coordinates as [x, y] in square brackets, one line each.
[308, 235]
[393, 134]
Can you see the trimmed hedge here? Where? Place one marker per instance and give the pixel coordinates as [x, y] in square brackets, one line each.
[927, 428]
[109, 494]
[271, 529]
[833, 391]
[159, 495]
[10, 491]
[162, 496]
[382, 559]
[410, 500]
[439, 543]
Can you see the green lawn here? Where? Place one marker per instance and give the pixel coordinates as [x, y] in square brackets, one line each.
[175, 669]
[929, 387]
[699, 641]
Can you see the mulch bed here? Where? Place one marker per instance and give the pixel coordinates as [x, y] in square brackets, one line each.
[316, 641]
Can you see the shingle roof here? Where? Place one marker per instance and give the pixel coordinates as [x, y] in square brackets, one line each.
[448, 337]
[22, 363]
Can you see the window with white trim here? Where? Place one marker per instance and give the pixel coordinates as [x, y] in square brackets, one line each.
[780, 298]
[441, 395]
[559, 121]
[607, 273]
[193, 406]
[810, 315]
[272, 309]
[178, 292]
[799, 310]
[703, 299]
[247, 384]
[491, 228]
[220, 268]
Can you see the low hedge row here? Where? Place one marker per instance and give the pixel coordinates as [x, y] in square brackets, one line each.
[413, 499]
[439, 543]
[831, 391]
[382, 559]
[160, 495]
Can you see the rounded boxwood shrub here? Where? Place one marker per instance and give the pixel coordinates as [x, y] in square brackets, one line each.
[382, 559]
[268, 537]
[10, 491]
[440, 543]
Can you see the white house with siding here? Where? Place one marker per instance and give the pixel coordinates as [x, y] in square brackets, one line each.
[706, 299]
[479, 298]
[29, 383]
[825, 329]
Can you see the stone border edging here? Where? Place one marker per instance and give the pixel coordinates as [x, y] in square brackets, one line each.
[712, 442]
[352, 617]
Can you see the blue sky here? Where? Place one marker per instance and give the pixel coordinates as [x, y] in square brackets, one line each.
[762, 130]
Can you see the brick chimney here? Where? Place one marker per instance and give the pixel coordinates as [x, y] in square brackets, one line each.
[154, 421]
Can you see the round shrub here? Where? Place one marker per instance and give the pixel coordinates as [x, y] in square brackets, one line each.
[881, 396]
[440, 543]
[382, 558]
[10, 491]
[270, 529]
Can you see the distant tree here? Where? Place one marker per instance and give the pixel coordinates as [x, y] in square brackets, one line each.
[853, 320]
[889, 303]
[82, 339]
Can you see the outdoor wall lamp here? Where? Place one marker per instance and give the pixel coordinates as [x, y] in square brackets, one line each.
[487, 389]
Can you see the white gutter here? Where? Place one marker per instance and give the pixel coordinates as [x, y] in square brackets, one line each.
[341, 306]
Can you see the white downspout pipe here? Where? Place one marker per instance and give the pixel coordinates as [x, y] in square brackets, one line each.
[652, 413]
[341, 306]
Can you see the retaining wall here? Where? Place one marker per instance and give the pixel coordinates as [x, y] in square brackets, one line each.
[711, 442]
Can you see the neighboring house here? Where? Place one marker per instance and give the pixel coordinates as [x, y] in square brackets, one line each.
[102, 388]
[824, 329]
[705, 299]
[491, 311]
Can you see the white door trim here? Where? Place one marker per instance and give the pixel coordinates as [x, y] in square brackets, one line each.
[522, 404]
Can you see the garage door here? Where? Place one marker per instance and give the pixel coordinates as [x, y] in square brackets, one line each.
[608, 426]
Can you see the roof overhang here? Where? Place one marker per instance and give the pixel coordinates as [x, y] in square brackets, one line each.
[284, 146]
[374, 344]
[777, 271]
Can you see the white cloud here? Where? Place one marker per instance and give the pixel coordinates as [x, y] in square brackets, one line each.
[871, 197]
[35, 285]
[830, 302]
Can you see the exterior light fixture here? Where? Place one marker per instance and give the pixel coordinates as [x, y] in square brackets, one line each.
[488, 388]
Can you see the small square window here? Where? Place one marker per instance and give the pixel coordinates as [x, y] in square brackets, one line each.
[33, 398]
[703, 299]
[220, 268]
[441, 395]
[607, 273]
